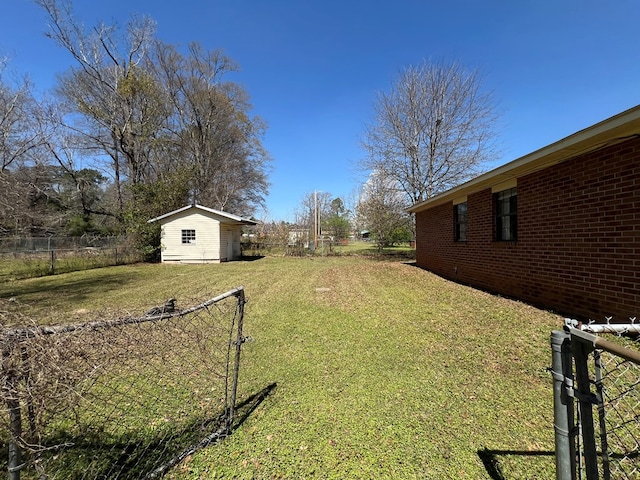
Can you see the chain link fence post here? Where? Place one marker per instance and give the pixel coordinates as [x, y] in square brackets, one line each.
[10, 393]
[586, 401]
[236, 364]
[562, 403]
[604, 378]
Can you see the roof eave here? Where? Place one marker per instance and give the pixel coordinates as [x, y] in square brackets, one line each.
[235, 219]
[610, 131]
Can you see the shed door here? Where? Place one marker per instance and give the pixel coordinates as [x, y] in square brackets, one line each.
[229, 235]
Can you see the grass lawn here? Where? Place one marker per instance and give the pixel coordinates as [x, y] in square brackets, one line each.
[381, 369]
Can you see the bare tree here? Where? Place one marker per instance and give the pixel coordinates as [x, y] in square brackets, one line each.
[18, 134]
[83, 187]
[381, 210]
[217, 137]
[432, 130]
[162, 125]
[313, 211]
[26, 190]
[117, 103]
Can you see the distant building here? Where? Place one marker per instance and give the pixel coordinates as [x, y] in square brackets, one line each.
[298, 236]
[197, 234]
[558, 228]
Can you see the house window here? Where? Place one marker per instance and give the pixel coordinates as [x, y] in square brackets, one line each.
[460, 222]
[507, 215]
[188, 236]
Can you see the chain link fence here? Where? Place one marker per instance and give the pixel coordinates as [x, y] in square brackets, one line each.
[597, 401]
[123, 398]
[35, 257]
[32, 244]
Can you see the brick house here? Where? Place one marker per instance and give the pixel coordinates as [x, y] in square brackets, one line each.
[558, 228]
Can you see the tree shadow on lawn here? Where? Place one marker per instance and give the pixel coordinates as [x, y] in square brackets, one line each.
[251, 258]
[126, 458]
[491, 461]
[73, 288]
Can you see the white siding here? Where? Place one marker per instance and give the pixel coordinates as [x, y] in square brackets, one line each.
[224, 238]
[207, 247]
[237, 238]
[230, 236]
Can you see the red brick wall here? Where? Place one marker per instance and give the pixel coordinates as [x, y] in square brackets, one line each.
[578, 247]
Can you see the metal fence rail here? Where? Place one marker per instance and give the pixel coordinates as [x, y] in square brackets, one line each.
[596, 401]
[122, 398]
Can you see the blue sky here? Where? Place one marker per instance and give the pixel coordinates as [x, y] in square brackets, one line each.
[313, 67]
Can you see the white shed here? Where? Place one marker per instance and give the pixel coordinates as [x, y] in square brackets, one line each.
[197, 234]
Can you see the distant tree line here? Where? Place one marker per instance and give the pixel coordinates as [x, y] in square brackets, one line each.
[133, 129]
[377, 214]
[324, 217]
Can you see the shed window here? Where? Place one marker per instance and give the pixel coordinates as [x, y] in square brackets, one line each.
[460, 222]
[506, 216]
[188, 236]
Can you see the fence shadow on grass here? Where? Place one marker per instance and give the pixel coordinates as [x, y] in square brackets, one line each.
[127, 459]
[242, 411]
[248, 406]
[490, 459]
[93, 456]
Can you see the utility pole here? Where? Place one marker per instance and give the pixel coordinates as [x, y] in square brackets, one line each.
[315, 219]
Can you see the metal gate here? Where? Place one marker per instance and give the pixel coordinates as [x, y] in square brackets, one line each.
[596, 401]
[124, 398]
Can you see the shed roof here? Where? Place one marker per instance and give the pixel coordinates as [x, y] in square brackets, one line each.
[613, 130]
[225, 217]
